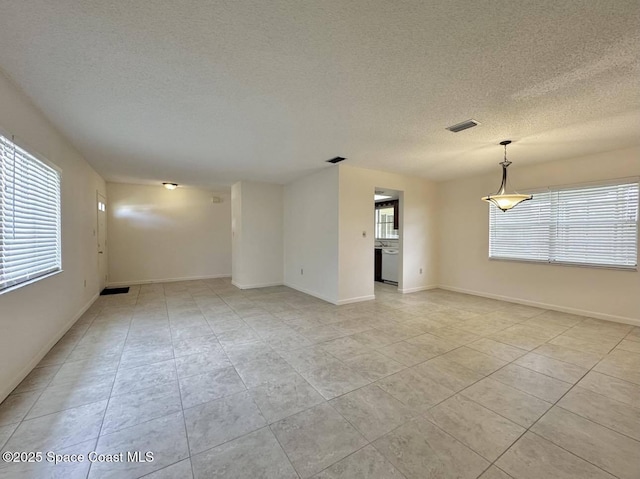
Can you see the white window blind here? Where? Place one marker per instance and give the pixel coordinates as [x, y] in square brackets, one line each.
[595, 226]
[29, 216]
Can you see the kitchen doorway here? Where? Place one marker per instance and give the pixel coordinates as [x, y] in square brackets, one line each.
[388, 239]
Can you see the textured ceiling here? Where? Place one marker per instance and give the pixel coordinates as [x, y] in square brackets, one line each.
[208, 92]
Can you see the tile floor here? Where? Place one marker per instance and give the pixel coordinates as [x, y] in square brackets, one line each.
[272, 383]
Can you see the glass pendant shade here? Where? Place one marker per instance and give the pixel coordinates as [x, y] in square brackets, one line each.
[503, 200]
[506, 202]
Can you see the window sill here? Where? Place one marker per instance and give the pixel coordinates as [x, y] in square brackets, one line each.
[559, 263]
[31, 281]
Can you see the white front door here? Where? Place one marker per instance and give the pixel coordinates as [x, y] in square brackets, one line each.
[102, 240]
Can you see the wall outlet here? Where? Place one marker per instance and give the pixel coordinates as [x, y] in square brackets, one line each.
[420, 270]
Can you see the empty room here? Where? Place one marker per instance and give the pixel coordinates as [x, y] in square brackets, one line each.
[319, 239]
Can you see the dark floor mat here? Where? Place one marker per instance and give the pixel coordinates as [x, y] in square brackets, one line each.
[107, 291]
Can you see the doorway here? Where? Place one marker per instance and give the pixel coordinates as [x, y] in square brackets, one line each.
[388, 239]
[101, 235]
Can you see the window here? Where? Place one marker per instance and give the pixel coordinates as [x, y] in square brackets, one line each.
[595, 226]
[29, 216]
[386, 222]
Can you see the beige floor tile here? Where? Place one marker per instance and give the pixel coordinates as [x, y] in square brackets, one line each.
[181, 469]
[67, 396]
[257, 454]
[308, 358]
[45, 469]
[141, 406]
[517, 339]
[165, 437]
[58, 430]
[285, 397]
[317, 438]
[16, 406]
[594, 346]
[263, 370]
[421, 450]
[373, 365]
[366, 463]
[209, 386]
[597, 444]
[372, 411]
[455, 335]
[143, 377]
[5, 433]
[603, 410]
[628, 345]
[39, 378]
[432, 343]
[447, 373]
[344, 348]
[634, 334]
[494, 473]
[406, 353]
[334, 380]
[477, 427]
[414, 390]
[499, 350]
[519, 407]
[533, 457]
[561, 370]
[614, 388]
[561, 353]
[216, 422]
[199, 363]
[475, 360]
[531, 382]
[622, 365]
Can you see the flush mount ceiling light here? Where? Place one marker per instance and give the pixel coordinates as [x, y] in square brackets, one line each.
[170, 186]
[503, 200]
[465, 125]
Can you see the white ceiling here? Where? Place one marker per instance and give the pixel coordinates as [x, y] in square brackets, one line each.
[206, 93]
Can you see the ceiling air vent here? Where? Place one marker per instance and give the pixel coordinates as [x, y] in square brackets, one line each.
[463, 126]
[335, 160]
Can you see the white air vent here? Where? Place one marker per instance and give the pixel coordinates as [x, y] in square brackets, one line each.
[463, 126]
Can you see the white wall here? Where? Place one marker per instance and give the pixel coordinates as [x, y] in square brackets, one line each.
[418, 238]
[311, 234]
[463, 225]
[160, 235]
[35, 316]
[257, 222]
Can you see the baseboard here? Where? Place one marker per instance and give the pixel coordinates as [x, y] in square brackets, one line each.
[553, 307]
[254, 286]
[166, 280]
[311, 293]
[43, 352]
[418, 288]
[355, 300]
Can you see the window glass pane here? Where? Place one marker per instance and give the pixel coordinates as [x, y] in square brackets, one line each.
[29, 216]
[595, 225]
[384, 224]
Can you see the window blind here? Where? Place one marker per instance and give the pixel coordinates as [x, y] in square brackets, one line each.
[29, 216]
[595, 225]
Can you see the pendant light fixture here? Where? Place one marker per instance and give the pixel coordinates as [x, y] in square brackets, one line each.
[170, 186]
[503, 200]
